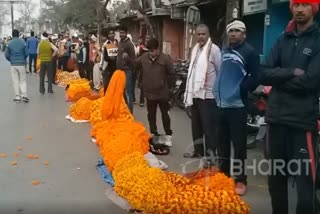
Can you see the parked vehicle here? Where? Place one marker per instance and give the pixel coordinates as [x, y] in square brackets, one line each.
[257, 128]
[177, 97]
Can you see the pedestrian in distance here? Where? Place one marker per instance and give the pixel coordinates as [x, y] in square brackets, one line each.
[46, 52]
[16, 53]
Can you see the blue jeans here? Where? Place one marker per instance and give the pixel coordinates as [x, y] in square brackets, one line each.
[128, 90]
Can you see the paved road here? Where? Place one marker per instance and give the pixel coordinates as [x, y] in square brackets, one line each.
[70, 183]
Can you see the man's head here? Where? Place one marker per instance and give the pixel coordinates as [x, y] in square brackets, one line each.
[202, 34]
[153, 46]
[111, 35]
[303, 12]
[15, 33]
[123, 30]
[32, 33]
[45, 35]
[140, 40]
[236, 32]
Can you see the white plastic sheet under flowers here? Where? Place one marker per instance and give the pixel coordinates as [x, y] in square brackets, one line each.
[68, 117]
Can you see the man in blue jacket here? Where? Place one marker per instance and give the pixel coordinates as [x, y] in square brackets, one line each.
[16, 54]
[237, 76]
[32, 45]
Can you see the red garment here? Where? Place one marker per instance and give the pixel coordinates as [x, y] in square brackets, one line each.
[291, 24]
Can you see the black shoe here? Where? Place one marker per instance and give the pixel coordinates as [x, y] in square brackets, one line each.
[25, 99]
[50, 92]
[17, 100]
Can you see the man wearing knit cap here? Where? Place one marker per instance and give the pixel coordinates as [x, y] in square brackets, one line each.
[237, 76]
[46, 50]
[293, 71]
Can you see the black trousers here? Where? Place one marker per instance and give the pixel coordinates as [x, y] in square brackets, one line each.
[82, 70]
[152, 115]
[203, 124]
[141, 96]
[46, 67]
[64, 60]
[54, 69]
[286, 144]
[232, 127]
[107, 75]
[89, 70]
[134, 83]
[33, 58]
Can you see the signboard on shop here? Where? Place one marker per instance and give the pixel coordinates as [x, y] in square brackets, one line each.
[254, 6]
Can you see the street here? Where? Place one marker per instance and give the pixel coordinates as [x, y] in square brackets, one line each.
[69, 180]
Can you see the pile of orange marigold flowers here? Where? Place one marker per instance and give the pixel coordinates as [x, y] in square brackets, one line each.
[155, 191]
[123, 142]
[77, 89]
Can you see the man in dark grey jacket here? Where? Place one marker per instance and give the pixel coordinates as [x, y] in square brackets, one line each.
[293, 71]
[16, 54]
[125, 61]
[155, 70]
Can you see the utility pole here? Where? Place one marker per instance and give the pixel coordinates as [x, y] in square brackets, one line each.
[12, 2]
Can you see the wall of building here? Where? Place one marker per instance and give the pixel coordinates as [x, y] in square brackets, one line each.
[173, 37]
[279, 18]
[255, 30]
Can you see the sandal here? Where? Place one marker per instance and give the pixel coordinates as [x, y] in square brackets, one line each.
[158, 149]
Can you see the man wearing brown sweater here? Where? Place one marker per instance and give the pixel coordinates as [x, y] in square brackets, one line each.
[156, 67]
[125, 61]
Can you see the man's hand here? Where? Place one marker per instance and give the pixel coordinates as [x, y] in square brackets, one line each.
[298, 72]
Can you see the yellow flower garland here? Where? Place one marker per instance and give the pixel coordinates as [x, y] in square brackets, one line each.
[123, 142]
[81, 109]
[154, 191]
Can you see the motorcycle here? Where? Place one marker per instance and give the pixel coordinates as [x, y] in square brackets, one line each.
[180, 84]
[256, 126]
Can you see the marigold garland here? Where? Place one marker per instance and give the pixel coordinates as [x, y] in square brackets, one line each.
[111, 107]
[78, 89]
[63, 78]
[155, 191]
[81, 109]
[123, 143]
[101, 92]
[131, 136]
[95, 116]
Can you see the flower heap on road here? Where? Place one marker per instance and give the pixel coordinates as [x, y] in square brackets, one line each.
[77, 89]
[123, 142]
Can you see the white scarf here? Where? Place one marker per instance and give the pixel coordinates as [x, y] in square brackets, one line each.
[197, 77]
